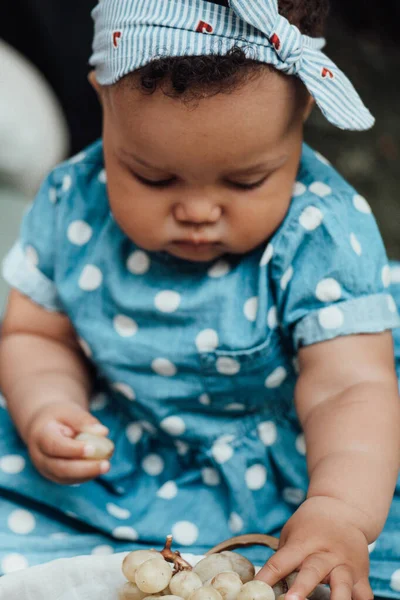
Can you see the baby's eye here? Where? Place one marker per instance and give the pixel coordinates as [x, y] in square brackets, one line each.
[160, 184]
[249, 186]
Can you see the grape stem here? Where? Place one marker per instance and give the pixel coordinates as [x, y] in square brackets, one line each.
[180, 564]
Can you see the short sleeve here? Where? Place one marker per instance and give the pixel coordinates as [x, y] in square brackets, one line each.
[330, 271]
[29, 267]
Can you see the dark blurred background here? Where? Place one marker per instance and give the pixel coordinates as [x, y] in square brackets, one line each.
[363, 38]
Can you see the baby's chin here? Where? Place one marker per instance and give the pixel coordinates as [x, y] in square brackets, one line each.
[197, 253]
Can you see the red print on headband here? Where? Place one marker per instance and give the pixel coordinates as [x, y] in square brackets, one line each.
[116, 37]
[327, 73]
[204, 27]
[275, 41]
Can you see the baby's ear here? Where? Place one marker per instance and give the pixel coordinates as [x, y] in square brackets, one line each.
[94, 83]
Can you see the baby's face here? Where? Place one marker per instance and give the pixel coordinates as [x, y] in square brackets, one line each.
[200, 182]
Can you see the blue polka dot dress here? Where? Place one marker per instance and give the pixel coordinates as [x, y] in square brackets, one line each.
[196, 368]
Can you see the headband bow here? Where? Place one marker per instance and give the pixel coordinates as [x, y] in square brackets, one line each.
[130, 33]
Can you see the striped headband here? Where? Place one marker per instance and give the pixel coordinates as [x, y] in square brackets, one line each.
[131, 33]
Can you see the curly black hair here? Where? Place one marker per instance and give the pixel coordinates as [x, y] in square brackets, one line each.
[195, 77]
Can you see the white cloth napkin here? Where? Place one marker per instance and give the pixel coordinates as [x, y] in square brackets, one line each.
[81, 578]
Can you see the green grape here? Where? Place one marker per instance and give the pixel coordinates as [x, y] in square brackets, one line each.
[241, 565]
[133, 561]
[212, 565]
[206, 592]
[185, 583]
[228, 584]
[256, 590]
[153, 576]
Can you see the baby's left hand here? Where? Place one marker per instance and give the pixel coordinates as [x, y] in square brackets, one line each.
[324, 544]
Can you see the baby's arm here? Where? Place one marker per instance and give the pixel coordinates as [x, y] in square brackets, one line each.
[347, 401]
[47, 382]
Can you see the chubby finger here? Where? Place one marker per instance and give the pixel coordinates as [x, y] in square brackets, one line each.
[53, 443]
[312, 572]
[82, 421]
[282, 563]
[68, 472]
[341, 582]
[362, 590]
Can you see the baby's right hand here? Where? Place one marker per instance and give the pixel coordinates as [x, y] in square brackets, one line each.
[55, 452]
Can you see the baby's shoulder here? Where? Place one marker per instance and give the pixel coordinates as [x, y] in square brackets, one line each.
[325, 210]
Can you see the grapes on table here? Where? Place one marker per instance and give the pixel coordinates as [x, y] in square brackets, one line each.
[166, 575]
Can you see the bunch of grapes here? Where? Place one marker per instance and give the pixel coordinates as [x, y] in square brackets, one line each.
[166, 575]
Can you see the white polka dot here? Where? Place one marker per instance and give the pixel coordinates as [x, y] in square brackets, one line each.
[85, 347]
[125, 326]
[77, 158]
[164, 367]
[167, 301]
[220, 269]
[134, 432]
[221, 452]
[293, 495]
[91, 278]
[256, 477]
[125, 390]
[138, 263]
[391, 304]
[210, 476]
[149, 427]
[103, 176]
[395, 581]
[355, 244]
[79, 233]
[331, 317]
[67, 183]
[286, 277]
[322, 159]
[395, 274]
[103, 550]
[272, 318]
[185, 533]
[53, 195]
[320, 189]
[227, 366]
[311, 218]
[207, 340]
[205, 400]
[32, 256]
[182, 448]
[12, 464]
[276, 378]
[98, 402]
[125, 533]
[117, 511]
[153, 464]
[371, 547]
[298, 189]
[301, 444]
[267, 432]
[268, 254]
[168, 491]
[250, 308]
[235, 406]
[13, 562]
[235, 523]
[3, 403]
[173, 425]
[328, 290]
[361, 204]
[21, 522]
[386, 276]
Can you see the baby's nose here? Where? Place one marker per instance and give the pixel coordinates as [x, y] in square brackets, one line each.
[197, 212]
